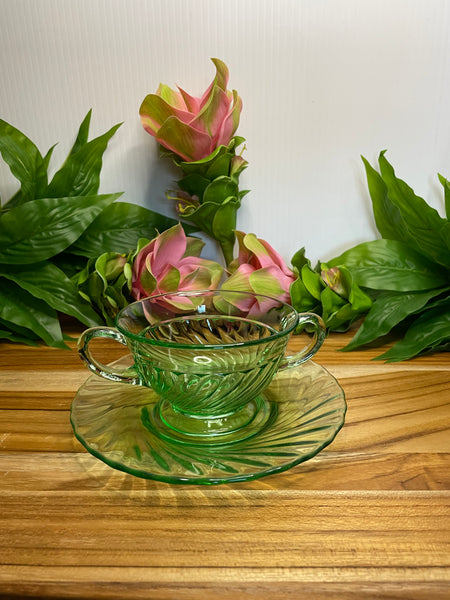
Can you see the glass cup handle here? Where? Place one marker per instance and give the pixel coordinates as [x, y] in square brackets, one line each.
[128, 375]
[309, 350]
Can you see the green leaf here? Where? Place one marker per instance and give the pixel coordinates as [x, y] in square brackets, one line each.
[38, 230]
[47, 282]
[387, 216]
[13, 337]
[22, 309]
[25, 162]
[70, 264]
[391, 265]
[389, 310]
[83, 134]
[420, 224]
[119, 227]
[80, 174]
[429, 331]
[446, 184]
[17, 333]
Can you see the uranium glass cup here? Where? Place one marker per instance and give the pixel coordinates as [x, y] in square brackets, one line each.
[206, 354]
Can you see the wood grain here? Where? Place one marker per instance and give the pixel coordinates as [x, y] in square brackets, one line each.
[369, 517]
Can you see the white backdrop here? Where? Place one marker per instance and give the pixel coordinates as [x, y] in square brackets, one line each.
[322, 81]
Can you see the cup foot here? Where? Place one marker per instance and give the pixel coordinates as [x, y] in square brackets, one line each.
[245, 423]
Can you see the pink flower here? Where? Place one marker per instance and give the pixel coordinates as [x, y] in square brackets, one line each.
[259, 269]
[171, 262]
[193, 127]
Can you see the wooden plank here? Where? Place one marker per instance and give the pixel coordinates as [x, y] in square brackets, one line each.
[277, 529]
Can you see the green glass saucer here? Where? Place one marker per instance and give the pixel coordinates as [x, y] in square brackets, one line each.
[298, 415]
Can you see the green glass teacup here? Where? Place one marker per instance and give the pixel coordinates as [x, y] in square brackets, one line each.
[208, 355]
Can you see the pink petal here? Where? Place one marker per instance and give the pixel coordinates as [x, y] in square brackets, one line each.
[230, 123]
[270, 281]
[188, 264]
[143, 281]
[169, 249]
[239, 281]
[264, 255]
[277, 259]
[192, 103]
[199, 279]
[170, 281]
[262, 306]
[244, 254]
[154, 111]
[189, 143]
[194, 246]
[179, 303]
[214, 271]
[172, 97]
[140, 260]
[260, 256]
[220, 79]
[211, 117]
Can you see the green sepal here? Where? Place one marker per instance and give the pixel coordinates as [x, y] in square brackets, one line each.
[194, 184]
[299, 260]
[213, 165]
[218, 220]
[312, 281]
[301, 299]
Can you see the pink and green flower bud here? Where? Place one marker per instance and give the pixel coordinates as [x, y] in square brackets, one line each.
[171, 262]
[238, 164]
[333, 278]
[185, 205]
[193, 127]
[259, 269]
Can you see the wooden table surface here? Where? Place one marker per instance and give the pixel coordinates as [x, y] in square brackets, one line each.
[368, 517]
